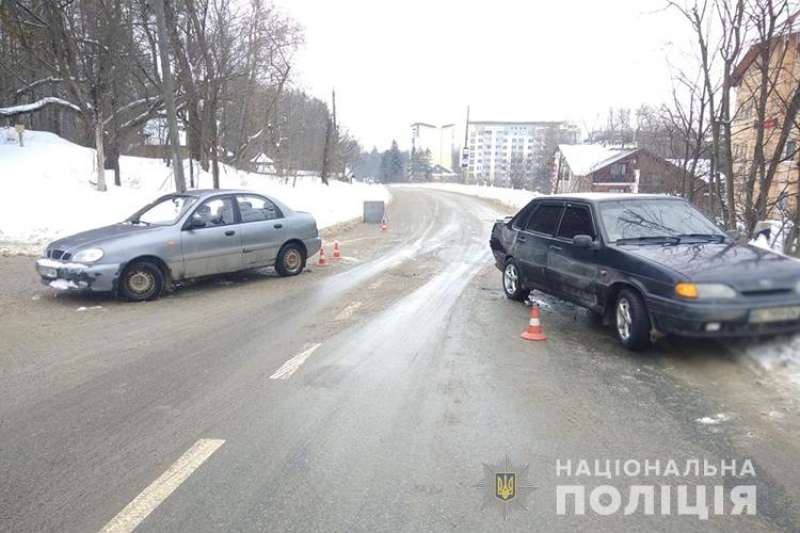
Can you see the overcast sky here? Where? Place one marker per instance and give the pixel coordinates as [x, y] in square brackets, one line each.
[394, 62]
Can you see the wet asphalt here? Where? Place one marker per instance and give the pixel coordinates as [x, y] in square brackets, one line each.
[411, 377]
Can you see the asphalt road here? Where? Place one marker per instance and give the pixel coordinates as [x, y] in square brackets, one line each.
[364, 396]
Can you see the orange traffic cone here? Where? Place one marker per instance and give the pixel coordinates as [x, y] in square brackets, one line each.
[336, 254]
[534, 331]
[322, 261]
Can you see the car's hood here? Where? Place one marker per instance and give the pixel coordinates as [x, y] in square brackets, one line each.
[96, 237]
[746, 268]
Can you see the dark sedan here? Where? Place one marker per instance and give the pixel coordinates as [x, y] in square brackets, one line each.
[648, 264]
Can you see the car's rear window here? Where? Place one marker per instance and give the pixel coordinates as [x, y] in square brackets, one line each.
[545, 219]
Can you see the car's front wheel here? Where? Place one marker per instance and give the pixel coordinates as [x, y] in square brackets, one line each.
[141, 281]
[512, 281]
[632, 321]
[291, 260]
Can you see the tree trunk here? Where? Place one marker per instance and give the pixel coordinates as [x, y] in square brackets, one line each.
[101, 160]
[215, 153]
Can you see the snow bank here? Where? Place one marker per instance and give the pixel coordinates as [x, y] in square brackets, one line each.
[772, 235]
[780, 358]
[515, 199]
[46, 191]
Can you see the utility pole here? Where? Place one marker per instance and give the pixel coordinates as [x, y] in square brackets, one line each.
[169, 97]
[330, 131]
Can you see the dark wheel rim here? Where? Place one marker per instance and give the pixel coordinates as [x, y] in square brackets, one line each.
[292, 260]
[141, 282]
[510, 278]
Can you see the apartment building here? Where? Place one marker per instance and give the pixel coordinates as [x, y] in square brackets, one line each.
[436, 139]
[495, 151]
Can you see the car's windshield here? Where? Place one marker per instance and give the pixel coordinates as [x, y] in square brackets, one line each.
[653, 219]
[164, 212]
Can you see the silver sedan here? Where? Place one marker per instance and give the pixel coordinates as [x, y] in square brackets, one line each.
[180, 236]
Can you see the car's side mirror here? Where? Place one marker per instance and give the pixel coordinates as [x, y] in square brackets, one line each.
[197, 222]
[583, 241]
[734, 234]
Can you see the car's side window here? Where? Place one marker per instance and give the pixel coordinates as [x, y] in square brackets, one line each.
[577, 220]
[522, 218]
[257, 209]
[545, 219]
[217, 212]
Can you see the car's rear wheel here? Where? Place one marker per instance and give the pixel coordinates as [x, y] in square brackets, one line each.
[291, 260]
[141, 281]
[632, 321]
[512, 281]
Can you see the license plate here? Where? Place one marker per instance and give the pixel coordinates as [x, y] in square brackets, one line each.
[776, 314]
[48, 272]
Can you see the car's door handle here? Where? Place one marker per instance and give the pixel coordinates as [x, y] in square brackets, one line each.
[278, 226]
[555, 247]
[521, 239]
[230, 233]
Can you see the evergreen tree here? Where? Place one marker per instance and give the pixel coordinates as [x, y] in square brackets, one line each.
[396, 163]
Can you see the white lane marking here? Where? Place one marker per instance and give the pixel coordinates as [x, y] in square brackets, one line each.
[348, 311]
[291, 366]
[159, 490]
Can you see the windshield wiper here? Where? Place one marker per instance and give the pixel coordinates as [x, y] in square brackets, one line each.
[659, 239]
[716, 237]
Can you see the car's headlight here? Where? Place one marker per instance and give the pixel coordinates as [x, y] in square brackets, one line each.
[89, 255]
[704, 291]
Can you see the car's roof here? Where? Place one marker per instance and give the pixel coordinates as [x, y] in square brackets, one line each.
[202, 193]
[607, 196]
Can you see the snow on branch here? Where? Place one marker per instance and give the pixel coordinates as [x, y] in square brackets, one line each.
[155, 100]
[36, 106]
[31, 86]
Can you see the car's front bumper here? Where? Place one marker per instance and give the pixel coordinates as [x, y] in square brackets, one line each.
[714, 320]
[65, 275]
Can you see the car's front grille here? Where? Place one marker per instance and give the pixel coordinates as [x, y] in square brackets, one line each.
[770, 292]
[759, 329]
[59, 255]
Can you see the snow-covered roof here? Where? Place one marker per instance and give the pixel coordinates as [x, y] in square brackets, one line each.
[262, 159]
[439, 169]
[583, 159]
[156, 130]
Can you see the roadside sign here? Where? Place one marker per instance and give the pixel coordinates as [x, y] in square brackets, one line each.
[20, 130]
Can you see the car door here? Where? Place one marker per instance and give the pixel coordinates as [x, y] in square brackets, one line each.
[571, 269]
[533, 240]
[263, 230]
[217, 246]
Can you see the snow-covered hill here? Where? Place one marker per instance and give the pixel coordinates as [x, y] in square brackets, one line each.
[46, 190]
[515, 199]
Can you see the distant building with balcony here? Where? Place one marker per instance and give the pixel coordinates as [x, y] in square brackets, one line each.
[783, 71]
[438, 140]
[495, 149]
[595, 168]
